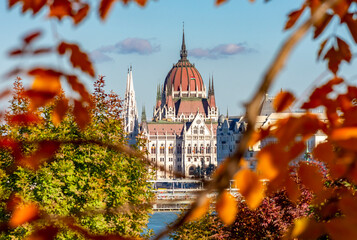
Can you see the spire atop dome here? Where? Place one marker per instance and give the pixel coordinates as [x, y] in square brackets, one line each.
[183, 52]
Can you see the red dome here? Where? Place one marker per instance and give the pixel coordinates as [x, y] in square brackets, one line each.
[183, 77]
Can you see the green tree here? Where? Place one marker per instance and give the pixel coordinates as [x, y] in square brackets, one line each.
[90, 182]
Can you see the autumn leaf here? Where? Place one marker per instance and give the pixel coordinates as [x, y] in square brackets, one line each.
[47, 233]
[32, 36]
[77, 86]
[324, 152]
[104, 8]
[340, 8]
[27, 5]
[59, 111]
[351, 22]
[322, 47]
[45, 151]
[226, 207]
[310, 177]
[78, 58]
[335, 56]
[319, 28]
[282, 101]
[293, 17]
[141, 3]
[23, 213]
[200, 210]
[292, 189]
[341, 229]
[267, 166]
[24, 119]
[60, 9]
[344, 133]
[219, 2]
[81, 14]
[81, 115]
[250, 186]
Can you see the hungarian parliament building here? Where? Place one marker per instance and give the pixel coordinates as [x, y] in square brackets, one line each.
[187, 135]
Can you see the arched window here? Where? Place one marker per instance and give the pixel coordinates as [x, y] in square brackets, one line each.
[191, 170]
[171, 148]
[153, 149]
[189, 150]
[162, 149]
[208, 149]
[179, 149]
[195, 150]
[195, 130]
[202, 149]
[202, 130]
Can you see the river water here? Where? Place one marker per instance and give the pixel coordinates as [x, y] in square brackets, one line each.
[159, 220]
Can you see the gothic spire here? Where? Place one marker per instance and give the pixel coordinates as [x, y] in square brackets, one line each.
[183, 53]
[212, 90]
[209, 85]
[143, 114]
[158, 93]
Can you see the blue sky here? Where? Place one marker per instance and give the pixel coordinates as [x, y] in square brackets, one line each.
[235, 42]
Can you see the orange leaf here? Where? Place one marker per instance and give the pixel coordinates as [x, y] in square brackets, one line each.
[105, 6]
[79, 87]
[45, 151]
[266, 164]
[59, 111]
[227, 208]
[81, 14]
[319, 28]
[344, 50]
[81, 115]
[199, 211]
[219, 2]
[324, 152]
[340, 8]
[344, 133]
[293, 17]
[283, 100]
[311, 177]
[23, 213]
[341, 229]
[60, 9]
[292, 189]
[78, 58]
[141, 3]
[33, 5]
[250, 187]
[24, 119]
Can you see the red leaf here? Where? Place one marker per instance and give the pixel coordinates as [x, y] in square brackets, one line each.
[81, 14]
[47, 233]
[34, 5]
[311, 177]
[319, 28]
[78, 58]
[32, 36]
[219, 2]
[105, 6]
[81, 115]
[283, 100]
[322, 47]
[59, 111]
[351, 24]
[80, 88]
[344, 50]
[42, 50]
[17, 52]
[24, 119]
[60, 9]
[45, 151]
[293, 17]
[340, 8]
[141, 3]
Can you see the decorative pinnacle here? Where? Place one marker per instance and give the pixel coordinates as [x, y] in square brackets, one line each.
[143, 114]
[183, 53]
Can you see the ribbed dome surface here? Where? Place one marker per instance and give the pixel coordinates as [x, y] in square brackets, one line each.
[184, 77]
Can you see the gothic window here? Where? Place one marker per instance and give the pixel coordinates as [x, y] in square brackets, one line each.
[170, 159]
[202, 149]
[202, 130]
[191, 170]
[153, 149]
[189, 150]
[153, 160]
[161, 159]
[195, 130]
[195, 159]
[179, 159]
[208, 149]
[189, 159]
[179, 150]
[195, 149]
[207, 159]
[171, 149]
[162, 149]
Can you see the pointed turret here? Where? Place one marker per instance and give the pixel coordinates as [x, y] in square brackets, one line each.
[211, 98]
[212, 86]
[183, 52]
[158, 96]
[209, 86]
[143, 114]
